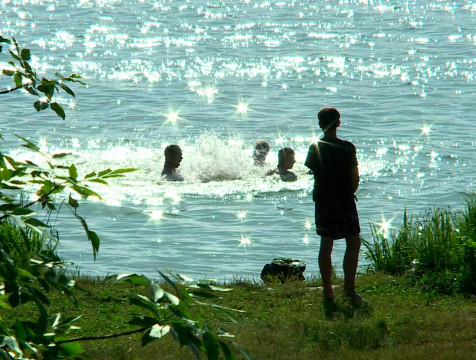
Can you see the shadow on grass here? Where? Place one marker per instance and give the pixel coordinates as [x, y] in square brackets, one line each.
[347, 308]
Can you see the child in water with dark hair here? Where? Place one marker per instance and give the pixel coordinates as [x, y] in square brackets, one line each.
[286, 160]
[260, 152]
[173, 157]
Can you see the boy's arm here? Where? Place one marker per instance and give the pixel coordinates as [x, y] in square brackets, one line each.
[354, 168]
[311, 156]
[355, 178]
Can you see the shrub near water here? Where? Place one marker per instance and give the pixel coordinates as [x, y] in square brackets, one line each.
[467, 250]
[25, 245]
[439, 249]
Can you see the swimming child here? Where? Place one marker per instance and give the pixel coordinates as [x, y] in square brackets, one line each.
[260, 152]
[173, 157]
[286, 160]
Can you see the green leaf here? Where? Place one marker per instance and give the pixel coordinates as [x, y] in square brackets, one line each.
[104, 172]
[5, 40]
[28, 144]
[60, 155]
[92, 236]
[227, 351]
[73, 202]
[184, 334]
[90, 175]
[73, 172]
[172, 298]
[3, 304]
[145, 303]
[73, 78]
[170, 282]
[31, 90]
[18, 79]
[17, 182]
[36, 223]
[156, 292]
[20, 331]
[38, 295]
[8, 72]
[68, 90]
[95, 241]
[122, 171]
[100, 181]
[47, 87]
[71, 348]
[143, 321]
[8, 207]
[13, 55]
[85, 191]
[25, 273]
[58, 110]
[41, 105]
[211, 345]
[22, 211]
[25, 54]
[133, 278]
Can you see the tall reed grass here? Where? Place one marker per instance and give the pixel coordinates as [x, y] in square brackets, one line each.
[22, 245]
[438, 249]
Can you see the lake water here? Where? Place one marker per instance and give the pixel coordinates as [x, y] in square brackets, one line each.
[214, 77]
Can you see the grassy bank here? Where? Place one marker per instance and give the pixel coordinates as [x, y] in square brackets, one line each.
[289, 321]
[421, 303]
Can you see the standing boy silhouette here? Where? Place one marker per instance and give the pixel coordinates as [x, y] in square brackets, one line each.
[336, 178]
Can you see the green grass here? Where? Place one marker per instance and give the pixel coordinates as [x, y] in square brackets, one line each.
[438, 248]
[421, 302]
[23, 245]
[290, 321]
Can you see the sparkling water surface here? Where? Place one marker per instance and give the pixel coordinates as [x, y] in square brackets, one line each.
[214, 77]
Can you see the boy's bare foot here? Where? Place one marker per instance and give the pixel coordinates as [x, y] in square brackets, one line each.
[355, 298]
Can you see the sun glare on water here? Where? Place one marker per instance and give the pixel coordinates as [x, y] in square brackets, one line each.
[425, 130]
[172, 117]
[156, 215]
[244, 241]
[241, 214]
[307, 225]
[384, 226]
[242, 108]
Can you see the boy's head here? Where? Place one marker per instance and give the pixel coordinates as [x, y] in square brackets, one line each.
[260, 152]
[329, 118]
[286, 158]
[173, 155]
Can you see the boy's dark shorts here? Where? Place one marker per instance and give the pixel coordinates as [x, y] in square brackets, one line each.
[337, 218]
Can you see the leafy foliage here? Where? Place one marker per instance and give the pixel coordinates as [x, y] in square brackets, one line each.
[30, 268]
[439, 250]
[172, 313]
[25, 77]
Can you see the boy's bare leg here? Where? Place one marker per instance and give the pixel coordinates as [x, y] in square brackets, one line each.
[351, 259]
[325, 265]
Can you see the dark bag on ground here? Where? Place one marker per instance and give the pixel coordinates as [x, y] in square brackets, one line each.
[283, 270]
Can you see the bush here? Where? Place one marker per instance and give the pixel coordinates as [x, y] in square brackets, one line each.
[392, 253]
[23, 245]
[467, 250]
[438, 250]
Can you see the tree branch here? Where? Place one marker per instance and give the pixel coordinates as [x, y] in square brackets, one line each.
[11, 90]
[89, 338]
